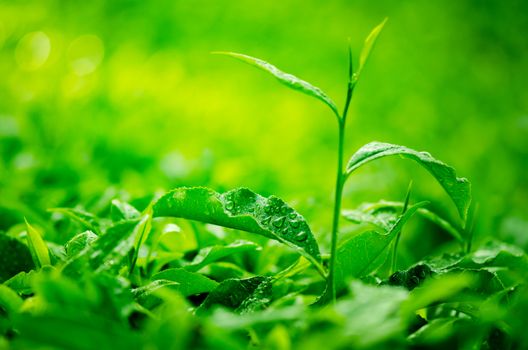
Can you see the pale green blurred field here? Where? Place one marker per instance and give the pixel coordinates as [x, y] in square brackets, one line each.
[126, 94]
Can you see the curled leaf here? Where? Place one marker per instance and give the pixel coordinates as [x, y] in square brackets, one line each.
[459, 189]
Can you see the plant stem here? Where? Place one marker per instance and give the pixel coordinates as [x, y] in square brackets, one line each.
[471, 228]
[340, 181]
[397, 240]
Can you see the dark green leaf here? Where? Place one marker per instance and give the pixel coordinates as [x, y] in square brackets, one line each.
[14, 257]
[459, 189]
[234, 294]
[244, 210]
[287, 79]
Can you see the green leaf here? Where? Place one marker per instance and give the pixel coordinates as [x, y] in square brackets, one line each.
[235, 294]
[368, 46]
[85, 219]
[22, 281]
[14, 257]
[287, 79]
[145, 295]
[437, 289]
[372, 316]
[9, 300]
[211, 254]
[459, 189]
[435, 331]
[244, 210]
[66, 330]
[37, 247]
[107, 252]
[188, 283]
[359, 256]
[120, 210]
[79, 242]
[384, 213]
[141, 233]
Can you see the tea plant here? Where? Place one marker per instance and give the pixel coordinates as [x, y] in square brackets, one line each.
[196, 268]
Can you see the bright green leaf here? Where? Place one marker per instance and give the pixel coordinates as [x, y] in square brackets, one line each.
[368, 46]
[244, 210]
[9, 300]
[108, 251]
[141, 233]
[37, 247]
[459, 189]
[87, 220]
[187, 282]
[211, 254]
[383, 213]
[359, 256]
[120, 210]
[287, 79]
[79, 242]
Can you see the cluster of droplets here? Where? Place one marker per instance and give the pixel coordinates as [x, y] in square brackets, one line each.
[280, 218]
[271, 213]
[231, 204]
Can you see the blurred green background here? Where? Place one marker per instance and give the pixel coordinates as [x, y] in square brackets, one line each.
[107, 98]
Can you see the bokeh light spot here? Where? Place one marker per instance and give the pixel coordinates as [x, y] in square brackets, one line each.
[33, 50]
[85, 53]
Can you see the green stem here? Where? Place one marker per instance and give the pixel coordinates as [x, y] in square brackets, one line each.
[340, 181]
[398, 235]
[471, 228]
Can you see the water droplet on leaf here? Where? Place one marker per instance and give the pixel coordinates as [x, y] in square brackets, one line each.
[301, 236]
[295, 224]
[279, 222]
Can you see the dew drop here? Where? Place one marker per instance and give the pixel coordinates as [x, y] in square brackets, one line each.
[266, 220]
[292, 216]
[301, 236]
[230, 205]
[295, 224]
[268, 209]
[279, 222]
[286, 231]
[284, 210]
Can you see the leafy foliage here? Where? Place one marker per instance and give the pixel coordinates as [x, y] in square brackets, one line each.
[196, 268]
